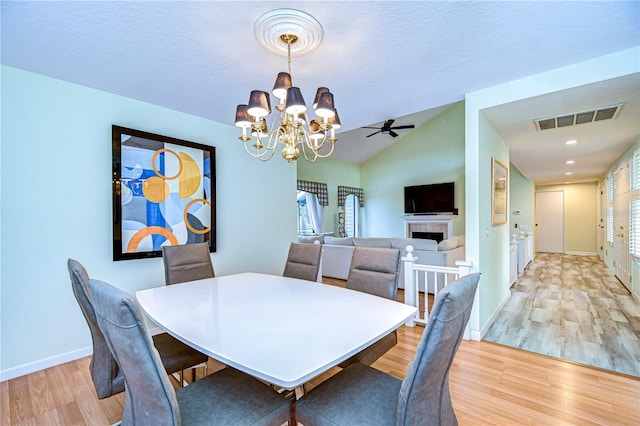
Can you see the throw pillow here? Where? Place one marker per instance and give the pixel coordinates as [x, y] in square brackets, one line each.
[449, 244]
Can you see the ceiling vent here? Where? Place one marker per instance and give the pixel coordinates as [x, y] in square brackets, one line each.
[598, 114]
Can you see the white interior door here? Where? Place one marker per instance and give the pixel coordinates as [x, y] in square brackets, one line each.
[550, 222]
[621, 200]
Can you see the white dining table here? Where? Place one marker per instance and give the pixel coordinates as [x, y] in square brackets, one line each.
[284, 331]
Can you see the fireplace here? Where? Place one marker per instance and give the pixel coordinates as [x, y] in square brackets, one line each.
[428, 226]
[438, 236]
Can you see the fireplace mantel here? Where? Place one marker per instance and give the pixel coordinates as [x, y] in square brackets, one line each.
[429, 223]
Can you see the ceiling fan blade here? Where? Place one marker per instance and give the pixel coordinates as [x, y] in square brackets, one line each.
[392, 133]
[388, 123]
[408, 126]
[374, 133]
[369, 127]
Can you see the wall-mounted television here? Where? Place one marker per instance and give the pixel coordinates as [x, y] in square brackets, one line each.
[430, 199]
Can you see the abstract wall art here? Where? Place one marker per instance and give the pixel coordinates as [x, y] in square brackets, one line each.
[163, 193]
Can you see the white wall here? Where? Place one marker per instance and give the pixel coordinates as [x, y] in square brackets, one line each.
[485, 244]
[56, 203]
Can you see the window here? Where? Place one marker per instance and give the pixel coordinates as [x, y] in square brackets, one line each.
[635, 171]
[634, 208]
[304, 223]
[610, 225]
[309, 213]
[634, 228]
[351, 215]
[610, 189]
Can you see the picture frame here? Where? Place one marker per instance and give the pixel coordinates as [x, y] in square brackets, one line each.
[164, 192]
[499, 192]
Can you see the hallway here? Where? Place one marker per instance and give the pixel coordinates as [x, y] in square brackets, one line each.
[573, 308]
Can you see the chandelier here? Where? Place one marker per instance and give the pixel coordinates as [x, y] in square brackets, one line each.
[290, 127]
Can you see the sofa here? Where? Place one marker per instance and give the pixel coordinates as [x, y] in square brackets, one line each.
[337, 252]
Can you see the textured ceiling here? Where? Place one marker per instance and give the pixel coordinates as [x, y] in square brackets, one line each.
[380, 59]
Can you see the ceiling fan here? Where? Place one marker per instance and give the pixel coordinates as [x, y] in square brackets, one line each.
[386, 128]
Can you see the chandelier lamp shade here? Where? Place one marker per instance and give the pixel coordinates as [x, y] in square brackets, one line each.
[290, 128]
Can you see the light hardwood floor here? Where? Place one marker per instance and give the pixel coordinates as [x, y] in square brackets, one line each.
[573, 308]
[490, 385]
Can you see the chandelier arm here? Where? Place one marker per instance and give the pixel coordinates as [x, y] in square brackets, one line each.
[305, 145]
[327, 154]
[256, 154]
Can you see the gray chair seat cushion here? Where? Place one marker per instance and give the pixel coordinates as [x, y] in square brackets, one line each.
[358, 395]
[231, 398]
[176, 356]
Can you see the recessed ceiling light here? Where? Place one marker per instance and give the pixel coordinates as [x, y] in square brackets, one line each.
[572, 142]
[570, 161]
[568, 173]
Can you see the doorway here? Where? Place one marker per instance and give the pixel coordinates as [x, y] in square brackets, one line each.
[549, 229]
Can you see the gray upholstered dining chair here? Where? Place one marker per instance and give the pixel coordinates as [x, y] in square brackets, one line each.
[303, 261]
[106, 375]
[375, 271]
[227, 397]
[186, 262]
[362, 395]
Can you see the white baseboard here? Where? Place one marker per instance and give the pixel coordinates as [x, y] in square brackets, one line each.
[492, 318]
[475, 335]
[581, 253]
[32, 367]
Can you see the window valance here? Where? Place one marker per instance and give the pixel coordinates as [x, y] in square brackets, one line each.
[318, 188]
[343, 191]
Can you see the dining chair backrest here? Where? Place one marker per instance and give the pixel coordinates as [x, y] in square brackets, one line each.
[106, 375]
[374, 270]
[303, 261]
[150, 398]
[424, 393]
[186, 262]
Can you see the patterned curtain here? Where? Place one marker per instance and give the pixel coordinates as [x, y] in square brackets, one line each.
[343, 191]
[318, 188]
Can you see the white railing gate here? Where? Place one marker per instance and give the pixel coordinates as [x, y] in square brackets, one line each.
[429, 279]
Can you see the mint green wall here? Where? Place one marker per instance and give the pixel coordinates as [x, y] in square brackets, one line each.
[522, 192]
[432, 153]
[580, 216]
[56, 197]
[494, 240]
[334, 173]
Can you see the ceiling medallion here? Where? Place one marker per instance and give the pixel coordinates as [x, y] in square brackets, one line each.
[288, 30]
[269, 28]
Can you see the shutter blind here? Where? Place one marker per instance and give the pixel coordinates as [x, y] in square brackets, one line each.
[635, 171]
[634, 226]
